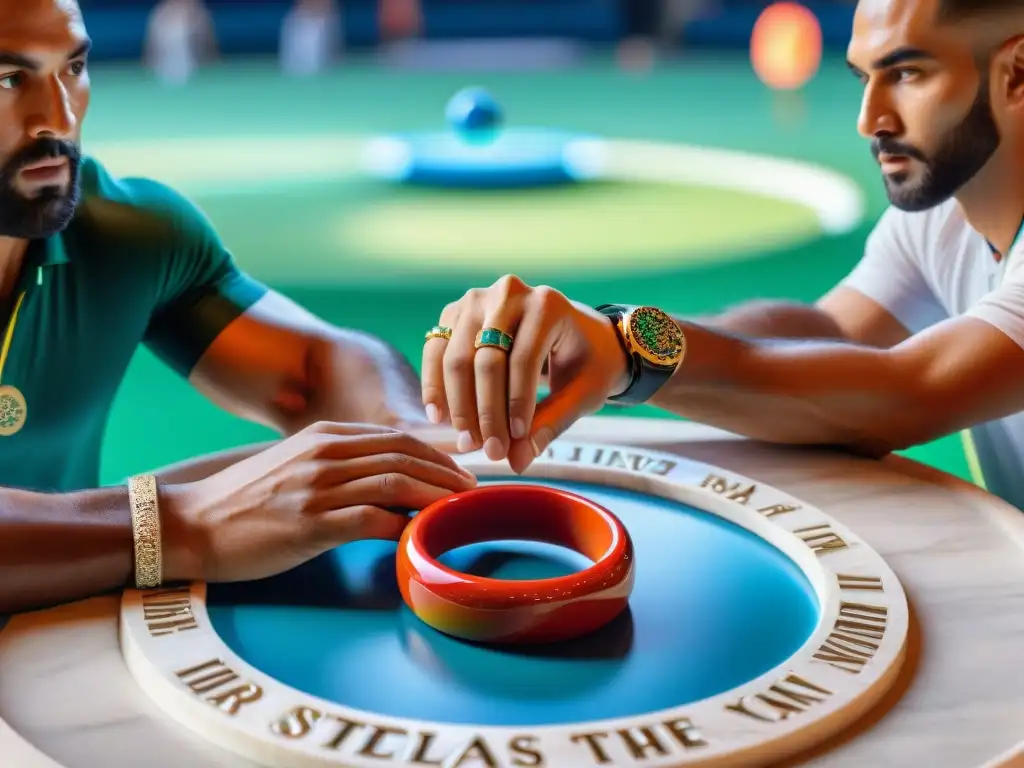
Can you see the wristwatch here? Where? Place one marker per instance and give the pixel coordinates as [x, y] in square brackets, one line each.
[653, 343]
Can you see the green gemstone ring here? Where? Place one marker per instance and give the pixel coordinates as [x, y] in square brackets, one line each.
[494, 337]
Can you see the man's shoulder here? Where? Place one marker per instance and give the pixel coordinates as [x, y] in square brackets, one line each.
[136, 211]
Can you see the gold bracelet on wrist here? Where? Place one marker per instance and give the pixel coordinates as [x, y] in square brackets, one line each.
[142, 496]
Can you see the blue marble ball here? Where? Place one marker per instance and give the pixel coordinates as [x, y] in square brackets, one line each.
[474, 115]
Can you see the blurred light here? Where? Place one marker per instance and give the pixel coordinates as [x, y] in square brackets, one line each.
[786, 46]
[585, 159]
[389, 158]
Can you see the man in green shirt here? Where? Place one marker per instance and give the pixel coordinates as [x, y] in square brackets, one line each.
[91, 266]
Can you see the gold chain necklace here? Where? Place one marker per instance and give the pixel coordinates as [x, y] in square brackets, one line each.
[13, 408]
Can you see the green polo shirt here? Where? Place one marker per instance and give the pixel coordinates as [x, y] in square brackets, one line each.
[139, 264]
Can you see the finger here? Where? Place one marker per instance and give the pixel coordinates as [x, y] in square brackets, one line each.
[361, 522]
[432, 376]
[336, 473]
[345, 428]
[458, 377]
[491, 366]
[387, 443]
[443, 437]
[391, 490]
[555, 414]
[536, 336]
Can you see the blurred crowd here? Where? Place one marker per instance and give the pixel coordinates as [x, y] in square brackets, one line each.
[181, 36]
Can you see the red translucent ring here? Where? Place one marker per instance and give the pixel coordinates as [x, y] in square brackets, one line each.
[530, 611]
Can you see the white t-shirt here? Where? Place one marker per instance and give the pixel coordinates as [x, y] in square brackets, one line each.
[927, 267]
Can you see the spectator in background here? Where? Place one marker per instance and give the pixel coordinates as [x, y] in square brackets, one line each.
[653, 25]
[179, 37]
[311, 37]
[400, 20]
[679, 13]
[641, 26]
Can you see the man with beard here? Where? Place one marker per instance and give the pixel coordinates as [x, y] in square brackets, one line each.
[90, 267]
[923, 339]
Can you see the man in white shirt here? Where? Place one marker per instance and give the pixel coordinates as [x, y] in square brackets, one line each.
[179, 38]
[311, 37]
[925, 338]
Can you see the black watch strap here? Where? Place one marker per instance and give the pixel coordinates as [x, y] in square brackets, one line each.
[615, 313]
[645, 379]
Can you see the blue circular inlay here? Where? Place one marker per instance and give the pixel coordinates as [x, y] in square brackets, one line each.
[714, 606]
[512, 158]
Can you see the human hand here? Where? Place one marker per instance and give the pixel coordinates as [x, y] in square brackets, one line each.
[444, 437]
[323, 487]
[489, 395]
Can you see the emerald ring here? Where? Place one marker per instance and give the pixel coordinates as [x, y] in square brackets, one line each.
[494, 337]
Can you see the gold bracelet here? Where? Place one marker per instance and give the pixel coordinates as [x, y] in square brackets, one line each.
[142, 495]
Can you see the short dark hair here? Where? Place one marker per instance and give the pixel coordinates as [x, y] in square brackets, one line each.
[958, 9]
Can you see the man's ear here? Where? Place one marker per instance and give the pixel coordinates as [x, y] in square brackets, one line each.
[1011, 73]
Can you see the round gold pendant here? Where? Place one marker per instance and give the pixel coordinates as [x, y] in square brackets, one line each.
[13, 410]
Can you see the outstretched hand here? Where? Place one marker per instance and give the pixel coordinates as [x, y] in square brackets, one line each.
[323, 487]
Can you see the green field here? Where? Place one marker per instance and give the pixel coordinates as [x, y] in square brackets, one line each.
[273, 162]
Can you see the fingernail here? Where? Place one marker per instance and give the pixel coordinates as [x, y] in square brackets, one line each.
[433, 413]
[541, 441]
[494, 449]
[518, 428]
[464, 442]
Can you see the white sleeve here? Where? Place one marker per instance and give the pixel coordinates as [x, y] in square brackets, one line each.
[890, 273]
[1004, 307]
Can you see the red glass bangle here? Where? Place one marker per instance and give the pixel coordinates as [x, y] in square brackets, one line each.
[530, 611]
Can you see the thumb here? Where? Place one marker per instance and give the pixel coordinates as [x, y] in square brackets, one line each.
[555, 414]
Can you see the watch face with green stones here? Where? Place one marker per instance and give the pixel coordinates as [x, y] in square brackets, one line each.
[655, 336]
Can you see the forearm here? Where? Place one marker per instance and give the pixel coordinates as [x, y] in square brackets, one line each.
[752, 393]
[775, 319]
[797, 392]
[56, 548]
[356, 377]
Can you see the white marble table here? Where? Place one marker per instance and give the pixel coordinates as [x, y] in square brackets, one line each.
[67, 698]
